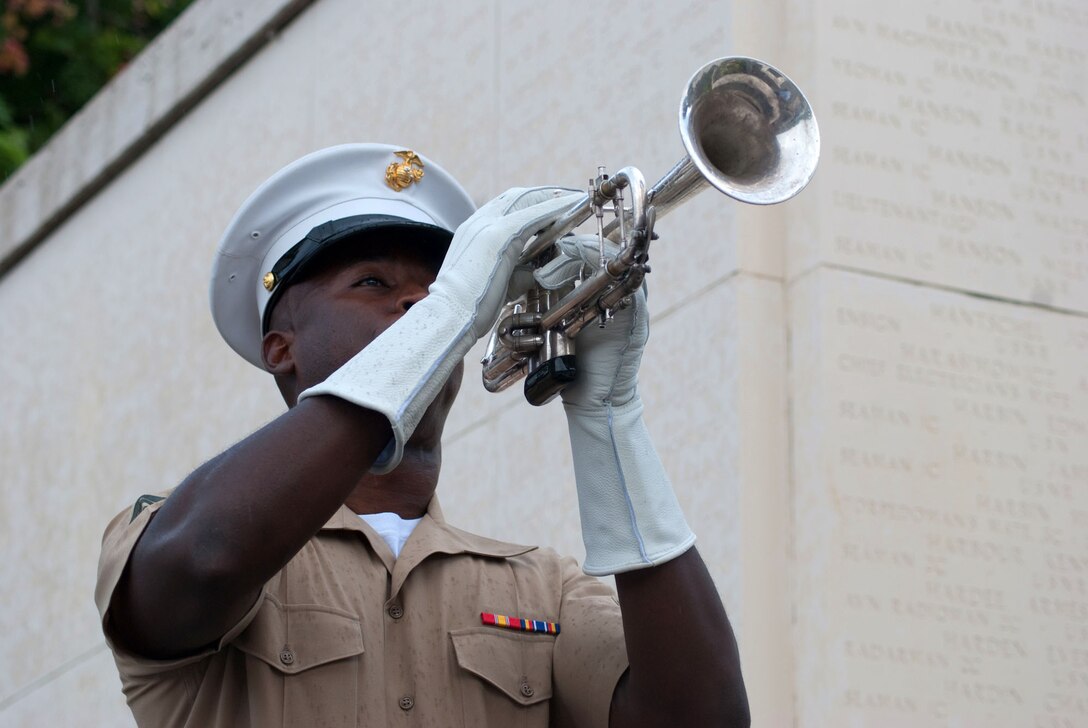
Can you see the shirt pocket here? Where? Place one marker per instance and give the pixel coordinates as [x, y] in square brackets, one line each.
[302, 664]
[505, 676]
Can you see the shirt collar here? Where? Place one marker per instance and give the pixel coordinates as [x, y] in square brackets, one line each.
[432, 536]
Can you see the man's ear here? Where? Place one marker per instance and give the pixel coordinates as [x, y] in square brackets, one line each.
[276, 352]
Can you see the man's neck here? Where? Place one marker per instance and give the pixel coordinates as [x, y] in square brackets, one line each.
[406, 491]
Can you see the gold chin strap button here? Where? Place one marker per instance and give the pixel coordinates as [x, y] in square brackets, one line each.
[269, 281]
[405, 173]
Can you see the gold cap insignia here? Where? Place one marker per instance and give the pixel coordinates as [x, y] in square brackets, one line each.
[403, 174]
[269, 281]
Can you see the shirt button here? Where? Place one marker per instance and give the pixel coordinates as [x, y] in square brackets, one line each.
[527, 690]
[407, 702]
[396, 611]
[287, 657]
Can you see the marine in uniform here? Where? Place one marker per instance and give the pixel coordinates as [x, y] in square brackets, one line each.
[306, 575]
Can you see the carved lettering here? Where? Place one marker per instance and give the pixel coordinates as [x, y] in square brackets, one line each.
[968, 160]
[978, 251]
[1065, 13]
[1009, 18]
[1012, 507]
[1047, 488]
[1074, 586]
[989, 412]
[1070, 472]
[903, 212]
[1067, 656]
[865, 319]
[940, 111]
[1030, 130]
[873, 414]
[1065, 425]
[895, 654]
[969, 363]
[1072, 609]
[972, 548]
[882, 701]
[877, 555]
[969, 32]
[986, 321]
[856, 458]
[868, 72]
[966, 595]
[871, 160]
[1032, 106]
[1066, 267]
[909, 38]
[1071, 679]
[861, 365]
[865, 114]
[1050, 398]
[870, 249]
[932, 612]
[1068, 181]
[970, 204]
[908, 513]
[1067, 563]
[984, 645]
[987, 458]
[1022, 349]
[1066, 55]
[863, 602]
[1047, 443]
[1010, 529]
[936, 378]
[1046, 153]
[1069, 704]
[977, 76]
[986, 693]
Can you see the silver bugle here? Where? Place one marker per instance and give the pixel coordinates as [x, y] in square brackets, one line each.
[748, 131]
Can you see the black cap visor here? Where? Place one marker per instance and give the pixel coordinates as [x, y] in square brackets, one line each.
[293, 264]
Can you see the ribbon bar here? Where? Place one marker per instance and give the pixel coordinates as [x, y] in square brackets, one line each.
[524, 625]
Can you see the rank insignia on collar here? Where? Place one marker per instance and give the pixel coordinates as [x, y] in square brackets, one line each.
[517, 623]
[403, 174]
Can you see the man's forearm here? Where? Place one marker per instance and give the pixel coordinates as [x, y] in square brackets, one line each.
[684, 664]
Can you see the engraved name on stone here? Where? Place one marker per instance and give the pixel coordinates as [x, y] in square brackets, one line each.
[978, 541]
[980, 106]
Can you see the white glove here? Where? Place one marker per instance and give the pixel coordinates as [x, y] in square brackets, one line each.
[630, 516]
[403, 369]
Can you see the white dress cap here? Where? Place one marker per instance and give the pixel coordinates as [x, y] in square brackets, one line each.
[287, 220]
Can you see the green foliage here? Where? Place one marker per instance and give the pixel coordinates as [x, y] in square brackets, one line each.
[54, 57]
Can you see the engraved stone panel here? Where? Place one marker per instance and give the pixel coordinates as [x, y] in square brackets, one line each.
[955, 150]
[941, 506]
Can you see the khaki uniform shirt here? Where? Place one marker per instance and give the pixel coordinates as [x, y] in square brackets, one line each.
[346, 635]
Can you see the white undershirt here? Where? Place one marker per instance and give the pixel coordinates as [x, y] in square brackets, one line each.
[393, 529]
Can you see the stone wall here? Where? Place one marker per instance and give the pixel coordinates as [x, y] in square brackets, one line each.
[870, 399]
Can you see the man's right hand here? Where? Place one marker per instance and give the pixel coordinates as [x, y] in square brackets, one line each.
[400, 372]
[487, 246]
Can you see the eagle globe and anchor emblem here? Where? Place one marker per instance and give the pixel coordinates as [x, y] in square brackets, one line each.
[403, 174]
